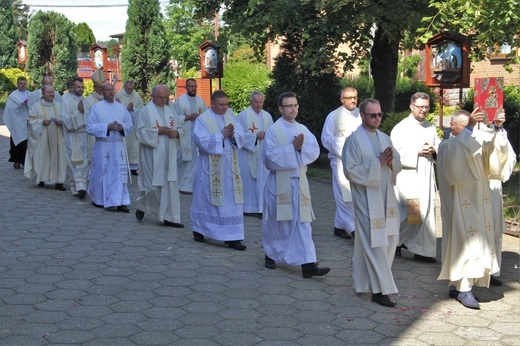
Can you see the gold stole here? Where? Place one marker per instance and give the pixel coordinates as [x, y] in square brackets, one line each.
[283, 184]
[252, 156]
[215, 165]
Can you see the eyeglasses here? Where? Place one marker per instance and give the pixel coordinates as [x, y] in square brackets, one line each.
[422, 107]
[353, 98]
[291, 106]
[373, 115]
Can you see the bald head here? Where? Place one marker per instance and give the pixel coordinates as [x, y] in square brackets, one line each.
[48, 93]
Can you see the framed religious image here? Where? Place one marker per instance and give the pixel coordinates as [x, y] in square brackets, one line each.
[98, 58]
[447, 60]
[489, 96]
[210, 65]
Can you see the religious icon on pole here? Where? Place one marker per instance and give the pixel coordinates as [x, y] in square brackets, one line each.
[211, 67]
[489, 96]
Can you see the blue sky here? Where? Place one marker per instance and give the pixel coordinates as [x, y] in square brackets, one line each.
[104, 17]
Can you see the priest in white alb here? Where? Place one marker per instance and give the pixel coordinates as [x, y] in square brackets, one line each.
[46, 158]
[188, 107]
[340, 124]
[131, 99]
[37, 95]
[416, 140]
[74, 112]
[158, 180]
[255, 121]
[371, 164]
[465, 163]
[109, 121]
[286, 224]
[216, 209]
[15, 118]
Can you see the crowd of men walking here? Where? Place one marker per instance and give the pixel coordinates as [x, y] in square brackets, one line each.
[384, 186]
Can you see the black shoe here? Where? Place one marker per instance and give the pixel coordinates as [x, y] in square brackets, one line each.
[382, 299]
[60, 187]
[172, 224]
[236, 244]
[111, 208]
[353, 234]
[398, 251]
[139, 215]
[424, 259]
[41, 184]
[270, 263]
[134, 172]
[341, 233]
[97, 205]
[185, 193]
[16, 165]
[495, 282]
[468, 300]
[82, 194]
[311, 269]
[123, 208]
[198, 237]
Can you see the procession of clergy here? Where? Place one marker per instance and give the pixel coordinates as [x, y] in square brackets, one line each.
[384, 187]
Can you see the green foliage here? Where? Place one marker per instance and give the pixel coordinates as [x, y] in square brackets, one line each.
[8, 36]
[186, 33]
[84, 37]
[405, 88]
[8, 78]
[112, 47]
[240, 78]
[244, 53]
[363, 84]
[21, 18]
[488, 22]
[408, 66]
[88, 87]
[52, 47]
[190, 73]
[145, 53]
[317, 88]
[392, 119]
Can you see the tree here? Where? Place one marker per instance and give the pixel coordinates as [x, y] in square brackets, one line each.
[490, 23]
[186, 33]
[369, 28]
[8, 39]
[84, 37]
[21, 18]
[52, 48]
[145, 53]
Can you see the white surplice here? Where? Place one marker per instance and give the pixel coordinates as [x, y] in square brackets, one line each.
[15, 115]
[109, 171]
[340, 124]
[416, 182]
[158, 180]
[464, 163]
[46, 157]
[253, 171]
[132, 144]
[290, 241]
[187, 157]
[76, 137]
[371, 265]
[225, 221]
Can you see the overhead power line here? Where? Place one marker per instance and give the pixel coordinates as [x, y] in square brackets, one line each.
[76, 5]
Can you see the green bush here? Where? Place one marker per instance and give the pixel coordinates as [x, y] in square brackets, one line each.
[8, 79]
[391, 119]
[405, 88]
[363, 84]
[240, 78]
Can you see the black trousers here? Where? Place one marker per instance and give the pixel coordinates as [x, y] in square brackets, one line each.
[17, 152]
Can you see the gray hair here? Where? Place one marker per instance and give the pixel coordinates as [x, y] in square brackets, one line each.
[255, 93]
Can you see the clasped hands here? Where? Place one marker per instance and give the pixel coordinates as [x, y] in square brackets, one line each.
[228, 131]
[426, 150]
[298, 142]
[386, 157]
[165, 130]
[115, 126]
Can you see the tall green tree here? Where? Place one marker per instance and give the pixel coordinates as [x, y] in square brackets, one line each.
[8, 36]
[21, 18]
[145, 53]
[52, 48]
[186, 33]
[490, 23]
[84, 37]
